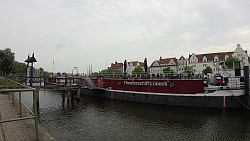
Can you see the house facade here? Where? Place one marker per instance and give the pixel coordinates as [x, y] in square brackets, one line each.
[132, 65]
[200, 61]
[156, 68]
[116, 66]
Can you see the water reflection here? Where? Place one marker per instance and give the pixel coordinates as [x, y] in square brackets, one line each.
[105, 119]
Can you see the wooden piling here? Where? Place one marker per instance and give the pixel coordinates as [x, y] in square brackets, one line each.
[68, 96]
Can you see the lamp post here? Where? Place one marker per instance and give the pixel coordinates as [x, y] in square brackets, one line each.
[26, 74]
[31, 60]
[73, 74]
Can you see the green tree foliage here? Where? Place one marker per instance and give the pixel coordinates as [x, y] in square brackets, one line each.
[232, 59]
[138, 70]
[125, 67]
[168, 71]
[229, 62]
[107, 71]
[6, 61]
[110, 71]
[18, 68]
[41, 72]
[188, 69]
[146, 65]
[208, 69]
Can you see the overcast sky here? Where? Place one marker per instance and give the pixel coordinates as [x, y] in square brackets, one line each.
[99, 32]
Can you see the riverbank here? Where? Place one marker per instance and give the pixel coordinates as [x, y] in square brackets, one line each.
[19, 130]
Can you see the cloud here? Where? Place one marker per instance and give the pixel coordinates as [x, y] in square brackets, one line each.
[101, 32]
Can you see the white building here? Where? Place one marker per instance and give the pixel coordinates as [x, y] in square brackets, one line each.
[132, 65]
[182, 63]
[156, 68]
[200, 61]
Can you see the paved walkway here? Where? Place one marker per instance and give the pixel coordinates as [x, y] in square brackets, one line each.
[19, 130]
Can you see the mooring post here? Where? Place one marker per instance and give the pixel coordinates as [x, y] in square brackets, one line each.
[35, 99]
[246, 88]
[78, 93]
[68, 96]
[63, 97]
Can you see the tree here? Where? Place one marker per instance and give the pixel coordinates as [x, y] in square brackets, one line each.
[188, 69]
[107, 71]
[207, 70]
[138, 70]
[145, 65]
[18, 68]
[125, 66]
[6, 61]
[230, 61]
[118, 72]
[168, 71]
[41, 71]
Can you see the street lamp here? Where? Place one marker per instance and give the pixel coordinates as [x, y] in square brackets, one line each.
[31, 60]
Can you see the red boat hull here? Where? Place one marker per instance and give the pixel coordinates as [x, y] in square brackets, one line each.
[175, 86]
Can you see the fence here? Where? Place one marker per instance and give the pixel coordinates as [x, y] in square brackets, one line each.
[10, 86]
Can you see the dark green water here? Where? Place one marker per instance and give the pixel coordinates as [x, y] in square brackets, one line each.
[97, 119]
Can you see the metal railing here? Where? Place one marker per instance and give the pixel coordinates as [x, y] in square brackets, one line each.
[10, 86]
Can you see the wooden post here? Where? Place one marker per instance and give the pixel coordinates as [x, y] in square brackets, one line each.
[63, 97]
[36, 101]
[68, 96]
[78, 93]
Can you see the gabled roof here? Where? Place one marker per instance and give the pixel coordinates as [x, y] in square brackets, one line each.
[141, 64]
[210, 56]
[135, 63]
[116, 65]
[164, 61]
[238, 49]
[182, 57]
[167, 60]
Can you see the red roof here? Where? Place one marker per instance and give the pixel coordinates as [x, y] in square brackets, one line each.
[134, 63]
[167, 60]
[117, 65]
[210, 56]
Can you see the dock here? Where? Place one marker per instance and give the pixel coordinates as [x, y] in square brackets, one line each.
[19, 130]
[17, 122]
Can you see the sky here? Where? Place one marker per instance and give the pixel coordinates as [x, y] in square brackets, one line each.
[80, 33]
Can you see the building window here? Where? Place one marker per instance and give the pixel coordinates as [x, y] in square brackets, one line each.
[204, 65]
[193, 66]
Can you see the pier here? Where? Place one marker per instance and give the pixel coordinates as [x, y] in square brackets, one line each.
[17, 122]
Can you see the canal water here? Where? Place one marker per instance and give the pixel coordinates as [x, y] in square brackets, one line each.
[95, 119]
